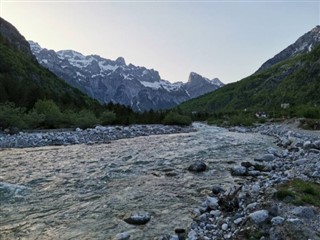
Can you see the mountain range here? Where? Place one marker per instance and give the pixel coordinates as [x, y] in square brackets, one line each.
[115, 81]
[291, 78]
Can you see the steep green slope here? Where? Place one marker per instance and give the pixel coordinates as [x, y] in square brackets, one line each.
[23, 81]
[295, 81]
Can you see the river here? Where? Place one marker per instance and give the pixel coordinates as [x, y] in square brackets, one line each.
[84, 191]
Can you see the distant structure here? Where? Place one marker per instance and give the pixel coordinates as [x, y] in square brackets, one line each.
[285, 105]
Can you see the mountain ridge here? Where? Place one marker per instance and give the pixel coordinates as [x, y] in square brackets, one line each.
[303, 44]
[114, 81]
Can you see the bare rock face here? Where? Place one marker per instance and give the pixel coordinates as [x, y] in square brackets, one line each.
[115, 81]
[198, 85]
[12, 36]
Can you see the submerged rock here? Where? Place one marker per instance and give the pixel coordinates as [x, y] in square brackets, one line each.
[198, 166]
[10, 191]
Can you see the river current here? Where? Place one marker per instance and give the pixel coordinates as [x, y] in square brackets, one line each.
[84, 191]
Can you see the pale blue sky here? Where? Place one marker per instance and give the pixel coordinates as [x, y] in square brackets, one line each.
[224, 39]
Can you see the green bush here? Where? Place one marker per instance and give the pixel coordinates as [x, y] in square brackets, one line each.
[308, 112]
[174, 118]
[107, 118]
[52, 113]
[10, 116]
[34, 120]
[85, 119]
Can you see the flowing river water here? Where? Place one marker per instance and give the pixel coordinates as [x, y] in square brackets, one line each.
[84, 191]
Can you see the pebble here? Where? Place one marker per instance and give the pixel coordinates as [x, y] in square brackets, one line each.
[224, 227]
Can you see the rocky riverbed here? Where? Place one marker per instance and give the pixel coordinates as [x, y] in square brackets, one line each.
[99, 134]
[249, 209]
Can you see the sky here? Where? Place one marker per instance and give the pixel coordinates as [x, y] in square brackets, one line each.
[225, 39]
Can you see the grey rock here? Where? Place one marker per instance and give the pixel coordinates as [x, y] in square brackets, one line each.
[224, 227]
[216, 190]
[274, 210]
[198, 166]
[192, 235]
[122, 236]
[304, 212]
[251, 206]
[247, 164]
[307, 145]
[212, 203]
[238, 220]
[300, 162]
[265, 158]
[294, 221]
[238, 171]
[317, 144]
[137, 218]
[277, 220]
[259, 216]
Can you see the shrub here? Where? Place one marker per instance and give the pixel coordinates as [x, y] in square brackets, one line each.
[34, 119]
[107, 118]
[52, 113]
[309, 112]
[174, 118]
[10, 116]
[85, 119]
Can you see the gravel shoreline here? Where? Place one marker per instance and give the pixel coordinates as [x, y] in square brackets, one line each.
[99, 134]
[249, 210]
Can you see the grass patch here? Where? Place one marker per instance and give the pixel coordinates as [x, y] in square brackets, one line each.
[299, 192]
[310, 124]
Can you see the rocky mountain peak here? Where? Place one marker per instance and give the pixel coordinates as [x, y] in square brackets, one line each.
[306, 43]
[197, 83]
[195, 77]
[120, 61]
[35, 47]
[12, 36]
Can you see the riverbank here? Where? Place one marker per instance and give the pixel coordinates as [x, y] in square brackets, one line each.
[264, 205]
[99, 134]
